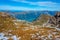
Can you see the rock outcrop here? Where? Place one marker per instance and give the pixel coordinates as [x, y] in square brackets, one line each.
[55, 20]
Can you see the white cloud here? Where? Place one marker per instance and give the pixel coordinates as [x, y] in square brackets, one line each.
[45, 3]
[7, 7]
[47, 6]
[24, 1]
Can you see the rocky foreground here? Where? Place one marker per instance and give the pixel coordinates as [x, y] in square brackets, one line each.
[12, 29]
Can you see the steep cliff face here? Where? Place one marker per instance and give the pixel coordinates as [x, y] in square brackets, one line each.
[55, 20]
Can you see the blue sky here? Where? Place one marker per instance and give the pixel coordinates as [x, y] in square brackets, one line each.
[52, 5]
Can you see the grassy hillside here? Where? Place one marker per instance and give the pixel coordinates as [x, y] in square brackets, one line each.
[19, 30]
[6, 22]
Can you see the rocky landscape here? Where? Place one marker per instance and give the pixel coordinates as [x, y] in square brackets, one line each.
[46, 27]
[55, 20]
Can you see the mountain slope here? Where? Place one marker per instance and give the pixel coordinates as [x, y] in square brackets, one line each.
[42, 19]
[6, 21]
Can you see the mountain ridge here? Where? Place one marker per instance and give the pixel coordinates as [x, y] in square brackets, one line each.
[29, 15]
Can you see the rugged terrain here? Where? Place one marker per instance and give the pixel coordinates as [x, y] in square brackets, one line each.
[55, 20]
[13, 29]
